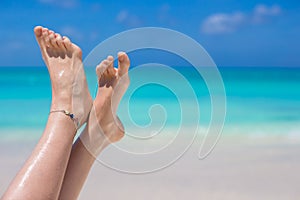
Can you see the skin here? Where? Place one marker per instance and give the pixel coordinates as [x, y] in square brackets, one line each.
[42, 175]
[55, 169]
[103, 126]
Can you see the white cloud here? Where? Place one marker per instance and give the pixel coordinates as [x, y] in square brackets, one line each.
[128, 19]
[263, 13]
[264, 10]
[220, 23]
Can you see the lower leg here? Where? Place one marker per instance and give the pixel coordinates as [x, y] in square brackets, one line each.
[103, 127]
[42, 175]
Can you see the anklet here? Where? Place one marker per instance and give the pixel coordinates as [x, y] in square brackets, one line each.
[71, 115]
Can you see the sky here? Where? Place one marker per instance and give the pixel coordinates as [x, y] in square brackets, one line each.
[258, 33]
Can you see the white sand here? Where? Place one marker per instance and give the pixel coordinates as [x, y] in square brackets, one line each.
[239, 168]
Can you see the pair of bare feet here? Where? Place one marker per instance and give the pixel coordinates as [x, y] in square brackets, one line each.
[70, 91]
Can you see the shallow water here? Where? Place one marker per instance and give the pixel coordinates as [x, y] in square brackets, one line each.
[256, 97]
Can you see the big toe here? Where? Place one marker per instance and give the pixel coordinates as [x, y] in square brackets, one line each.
[123, 63]
[38, 31]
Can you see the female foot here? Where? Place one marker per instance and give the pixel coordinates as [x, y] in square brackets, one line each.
[104, 127]
[64, 62]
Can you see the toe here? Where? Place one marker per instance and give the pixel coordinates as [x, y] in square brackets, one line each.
[59, 41]
[111, 69]
[67, 43]
[123, 63]
[102, 68]
[46, 38]
[38, 31]
[53, 39]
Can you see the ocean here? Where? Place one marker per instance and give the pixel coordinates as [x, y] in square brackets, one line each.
[259, 100]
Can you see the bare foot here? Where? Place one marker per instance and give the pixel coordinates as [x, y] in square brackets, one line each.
[104, 127]
[68, 81]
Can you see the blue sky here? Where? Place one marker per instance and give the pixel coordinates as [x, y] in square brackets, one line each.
[234, 32]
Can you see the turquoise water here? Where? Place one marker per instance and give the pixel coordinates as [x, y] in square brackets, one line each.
[255, 96]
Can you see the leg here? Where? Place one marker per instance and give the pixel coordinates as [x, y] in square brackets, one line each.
[103, 126]
[42, 175]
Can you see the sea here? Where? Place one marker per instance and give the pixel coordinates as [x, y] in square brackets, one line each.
[256, 100]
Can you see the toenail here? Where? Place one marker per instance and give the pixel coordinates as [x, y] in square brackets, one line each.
[121, 58]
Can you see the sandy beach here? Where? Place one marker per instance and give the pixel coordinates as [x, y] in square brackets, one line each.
[240, 167]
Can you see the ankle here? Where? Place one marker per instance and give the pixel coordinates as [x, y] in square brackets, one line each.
[59, 103]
